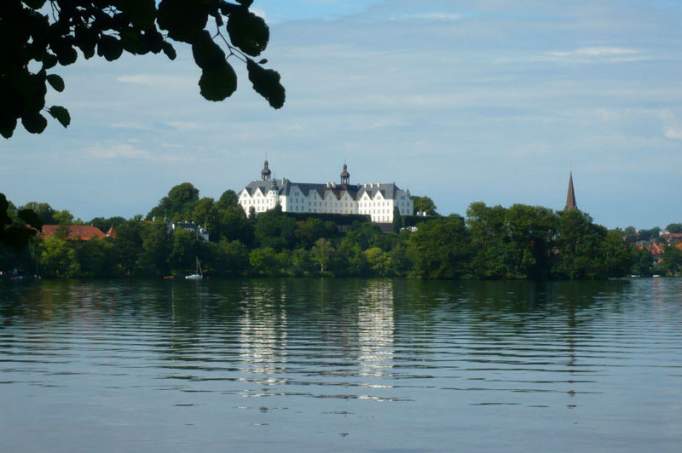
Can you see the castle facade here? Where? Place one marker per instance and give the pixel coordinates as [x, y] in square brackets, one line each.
[376, 200]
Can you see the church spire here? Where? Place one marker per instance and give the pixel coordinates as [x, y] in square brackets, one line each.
[571, 204]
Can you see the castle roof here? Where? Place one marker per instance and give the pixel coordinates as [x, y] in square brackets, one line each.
[284, 187]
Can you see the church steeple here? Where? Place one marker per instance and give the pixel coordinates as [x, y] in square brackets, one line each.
[265, 173]
[571, 204]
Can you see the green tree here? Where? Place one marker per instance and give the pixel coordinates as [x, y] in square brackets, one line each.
[264, 261]
[234, 226]
[347, 260]
[17, 228]
[401, 265]
[671, 261]
[153, 259]
[579, 247]
[321, 254]
[532, 231]
[58, 259]
[229, 258]
[275, 229]
[308, 231]
[184, 251]
[95, 258]
[379, 262]
[105, 224]
[44, 211]
[206, 214]
[642, 262]
[38, 35]
[64, 217]
[424, 204]
[127, 247]
[177, 205]
[228, 200]
[490, 240]
[440, 249]
[301, 263]
[674, 228]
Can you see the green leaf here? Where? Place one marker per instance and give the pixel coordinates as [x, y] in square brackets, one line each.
[86, 41]
[218, 84]
[207, 55]
[142, 13]
[184, 19]
[35, 4]
[56, 82]
[7, 126]
[65, 52]
[49, 61]
[169, 50]
[109, 47]
[31, 89]
[35, 123]
[248, 32]
[60, 114]
[266, 82]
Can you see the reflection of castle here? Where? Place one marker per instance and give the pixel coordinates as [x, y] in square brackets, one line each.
[262, 337]
[376, 329]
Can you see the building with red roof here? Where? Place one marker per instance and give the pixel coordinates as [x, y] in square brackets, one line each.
[74, 232]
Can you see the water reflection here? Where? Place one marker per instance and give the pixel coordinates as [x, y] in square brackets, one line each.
[375, 328]
[349, 356]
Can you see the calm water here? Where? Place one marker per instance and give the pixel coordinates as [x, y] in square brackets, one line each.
[352, 366]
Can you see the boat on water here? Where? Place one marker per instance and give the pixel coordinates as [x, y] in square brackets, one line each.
[198, 275]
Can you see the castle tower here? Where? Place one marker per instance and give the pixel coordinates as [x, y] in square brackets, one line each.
[266, 173]
[571, 204]
[345, 176]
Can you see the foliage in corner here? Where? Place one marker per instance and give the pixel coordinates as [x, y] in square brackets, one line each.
[17, 227]
[38, 35]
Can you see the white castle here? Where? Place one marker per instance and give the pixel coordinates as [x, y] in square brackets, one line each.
[375, 200]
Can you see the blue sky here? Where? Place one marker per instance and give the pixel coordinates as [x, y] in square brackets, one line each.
[462, 100]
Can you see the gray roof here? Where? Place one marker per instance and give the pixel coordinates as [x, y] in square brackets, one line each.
[284, 186]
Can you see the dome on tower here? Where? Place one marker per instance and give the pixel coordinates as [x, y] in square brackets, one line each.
[345, 175]
[265, 173]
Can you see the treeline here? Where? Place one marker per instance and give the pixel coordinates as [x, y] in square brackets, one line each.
[520, 242]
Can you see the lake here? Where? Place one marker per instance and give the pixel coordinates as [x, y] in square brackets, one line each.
[341, 365]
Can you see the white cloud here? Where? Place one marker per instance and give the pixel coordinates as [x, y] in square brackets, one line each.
[673, 133]
[157, 81]
[184, 125]
[117, 152]
[595, 54]
[434, 16]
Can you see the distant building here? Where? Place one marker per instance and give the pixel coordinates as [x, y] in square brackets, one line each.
[199, 231]
[671, 238]
[376, 200]
[571, 204]
[76, 232]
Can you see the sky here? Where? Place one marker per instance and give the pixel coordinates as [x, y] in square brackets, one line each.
[460, 100]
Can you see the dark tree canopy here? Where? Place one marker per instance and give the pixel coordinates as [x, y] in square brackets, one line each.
[16, 231]
[38, 35]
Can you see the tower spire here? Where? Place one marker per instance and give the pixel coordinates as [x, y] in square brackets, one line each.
[345, 175]
[571, 204]
[266, 172]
